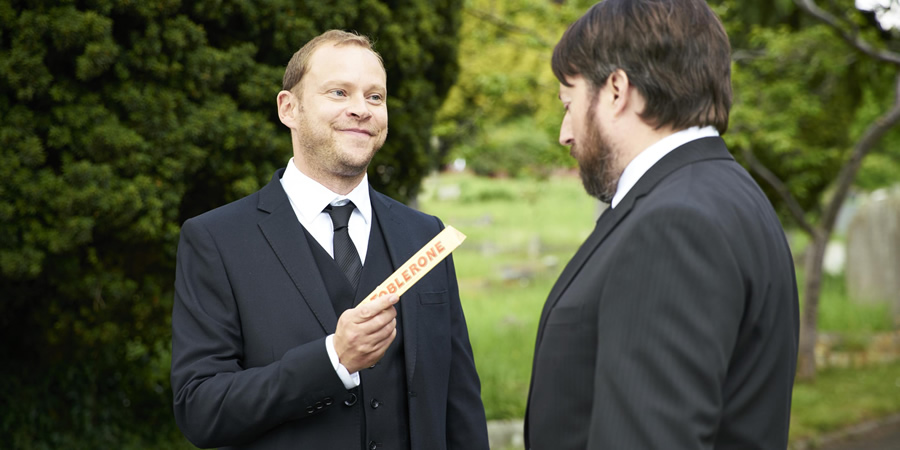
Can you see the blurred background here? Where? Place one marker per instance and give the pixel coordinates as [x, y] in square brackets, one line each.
[119, 119]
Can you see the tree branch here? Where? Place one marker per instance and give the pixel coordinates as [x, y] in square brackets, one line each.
[795, 209]
[506, 25]
[853, 39]
[865, 144]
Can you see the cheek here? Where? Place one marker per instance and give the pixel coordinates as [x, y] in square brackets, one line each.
[575, 126]
[325, 112]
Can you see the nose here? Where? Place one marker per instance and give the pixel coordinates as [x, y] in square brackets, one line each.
[565, 131]
[359, 108]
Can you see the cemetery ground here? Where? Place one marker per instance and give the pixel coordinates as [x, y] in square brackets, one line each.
[520, 234]
[522, 231]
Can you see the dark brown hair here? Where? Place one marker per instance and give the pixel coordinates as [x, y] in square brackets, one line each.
[299, 63]
[675, 52]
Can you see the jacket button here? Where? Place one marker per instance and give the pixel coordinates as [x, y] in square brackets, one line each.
[375, 403]
[319, 405]
[373, 445]
[328, 401]
[310, 409]
[351, 400]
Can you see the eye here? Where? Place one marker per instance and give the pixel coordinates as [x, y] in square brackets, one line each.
[376, 98]
[338, 92]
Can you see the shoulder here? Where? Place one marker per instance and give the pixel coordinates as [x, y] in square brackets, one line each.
[404, 213]
[228, 212]
[243, 214]
[267, 199]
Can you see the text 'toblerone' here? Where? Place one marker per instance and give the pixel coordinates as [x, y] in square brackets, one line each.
[419, 264]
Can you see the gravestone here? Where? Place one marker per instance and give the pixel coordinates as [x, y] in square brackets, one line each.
[873, 250]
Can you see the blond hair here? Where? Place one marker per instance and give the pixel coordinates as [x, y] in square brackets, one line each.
[299, 63]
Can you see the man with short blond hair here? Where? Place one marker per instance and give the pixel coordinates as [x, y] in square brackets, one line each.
[271, 347]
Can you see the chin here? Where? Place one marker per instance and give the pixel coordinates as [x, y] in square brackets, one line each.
[357, 163]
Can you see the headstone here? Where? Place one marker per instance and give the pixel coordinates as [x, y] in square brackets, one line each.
[873, 250]
[835, 258]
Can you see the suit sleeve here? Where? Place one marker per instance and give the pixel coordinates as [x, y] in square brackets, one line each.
[466, 423]
[669, 315]
[217, 401]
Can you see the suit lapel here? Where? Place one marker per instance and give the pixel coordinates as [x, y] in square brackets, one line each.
[605, 224]
[694, 151]
[400, 247]
[285, 235]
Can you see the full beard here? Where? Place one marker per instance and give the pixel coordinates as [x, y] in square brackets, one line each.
[597, 161]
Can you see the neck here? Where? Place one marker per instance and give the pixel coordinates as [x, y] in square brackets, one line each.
[336, 183]
[639, 138]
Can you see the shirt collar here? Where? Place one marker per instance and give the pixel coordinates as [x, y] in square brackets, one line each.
[310, 197]
[652, 154]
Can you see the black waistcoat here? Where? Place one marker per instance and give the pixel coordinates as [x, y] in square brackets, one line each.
[382, 391]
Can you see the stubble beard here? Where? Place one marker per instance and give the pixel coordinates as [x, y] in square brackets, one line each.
[597, 160]
[322, 151]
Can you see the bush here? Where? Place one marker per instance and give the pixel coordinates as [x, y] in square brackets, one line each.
[514, 149]
[120, 119]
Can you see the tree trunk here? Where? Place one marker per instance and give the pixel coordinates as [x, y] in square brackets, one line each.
[812, 287]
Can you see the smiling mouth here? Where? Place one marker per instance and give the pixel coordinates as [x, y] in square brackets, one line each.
[359, 131]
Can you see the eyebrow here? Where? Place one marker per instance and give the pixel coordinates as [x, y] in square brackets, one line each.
[339, 82]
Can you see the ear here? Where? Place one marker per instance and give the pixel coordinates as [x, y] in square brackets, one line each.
[288, 108]
[620, 93]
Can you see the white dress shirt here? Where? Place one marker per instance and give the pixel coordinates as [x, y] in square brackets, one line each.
[652, 154]
[309, 198]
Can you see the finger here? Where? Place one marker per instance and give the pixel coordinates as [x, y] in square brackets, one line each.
[385, 331]
[368, 310]
[378, 348]
[379, 320]
[382, 320]
[376, 335]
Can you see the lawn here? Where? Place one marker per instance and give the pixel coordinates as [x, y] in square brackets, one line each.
[521, 232]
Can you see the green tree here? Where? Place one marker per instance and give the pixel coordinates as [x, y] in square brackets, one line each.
[502, 115]
[120, 119]
[811, 117]
[808, 109]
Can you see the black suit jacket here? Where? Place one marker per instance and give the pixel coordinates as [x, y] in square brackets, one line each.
[675, 325]
[251, 313]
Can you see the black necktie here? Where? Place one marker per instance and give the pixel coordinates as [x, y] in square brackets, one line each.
[345, 254]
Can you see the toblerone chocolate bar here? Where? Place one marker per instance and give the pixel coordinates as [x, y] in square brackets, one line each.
[419, 264]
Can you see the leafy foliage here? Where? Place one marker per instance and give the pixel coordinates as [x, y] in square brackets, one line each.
[120, 119]
[507, 87]
[802, 96]
[802, 99]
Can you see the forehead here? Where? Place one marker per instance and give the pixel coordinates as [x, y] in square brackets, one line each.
[347, 62]
[576, 87]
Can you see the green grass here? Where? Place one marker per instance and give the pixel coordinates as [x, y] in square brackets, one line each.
[838, 313]
[504, 218]
[520, 233]
[532, 228]
[839, 397]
